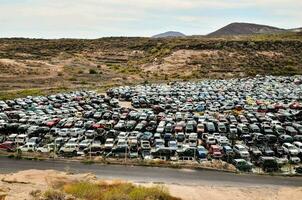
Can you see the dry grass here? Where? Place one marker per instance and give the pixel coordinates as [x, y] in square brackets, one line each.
[2, 194]
[116, 191]
[92, 64]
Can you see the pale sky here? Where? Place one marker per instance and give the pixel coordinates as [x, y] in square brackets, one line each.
[102, 18]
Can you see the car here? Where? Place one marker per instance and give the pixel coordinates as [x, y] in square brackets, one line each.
[180, 137]
[48, 148]
[285, 139]
[69, 149]
[187, 153]
[298, 146]
[215, 151]
[268, 164]
[241, 152]
[290, 149]
[8, 146]
[243, 165]
[109, 143]
[159, 143]
[202, 153]
[83, 145]
[210, 140]
[228, 151]
[27, 147]
[200, 130]
[223, 141]
[294, 160]
[267, 151]
[210, 127]
[21, 139]
[145, 145]
[95, 149]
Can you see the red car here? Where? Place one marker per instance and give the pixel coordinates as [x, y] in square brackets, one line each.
[279, 106]
[178, 128]
[8, 146]
[53, 122]
[98, 126]
[296, 106]
[215, 151]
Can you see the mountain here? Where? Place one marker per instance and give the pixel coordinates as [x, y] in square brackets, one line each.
[246, 29]
[169, 34]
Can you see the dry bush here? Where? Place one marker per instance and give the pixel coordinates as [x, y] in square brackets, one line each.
[116, 191]
[53, 195]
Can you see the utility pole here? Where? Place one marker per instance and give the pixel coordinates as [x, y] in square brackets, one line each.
[125, 154]
[55, 150]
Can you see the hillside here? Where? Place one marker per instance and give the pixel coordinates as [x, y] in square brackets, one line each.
[169, 34]
[246, 29]
[107, 62]
[297, 30]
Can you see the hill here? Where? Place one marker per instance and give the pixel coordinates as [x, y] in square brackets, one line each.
[246, 29]
[169, 34]
[102, 63]
[297, 30]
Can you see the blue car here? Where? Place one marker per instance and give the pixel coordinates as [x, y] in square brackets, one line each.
[200, 108]
[202, 152]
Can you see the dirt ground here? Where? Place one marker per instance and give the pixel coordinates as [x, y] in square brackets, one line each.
[18, 186]
[235, 193]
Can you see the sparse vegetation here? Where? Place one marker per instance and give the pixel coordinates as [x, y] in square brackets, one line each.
[116, 191]
[4, 95]
[38, 63]
[92, 71]
[52, 194]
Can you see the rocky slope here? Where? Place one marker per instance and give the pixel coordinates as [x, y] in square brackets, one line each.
[106, 62]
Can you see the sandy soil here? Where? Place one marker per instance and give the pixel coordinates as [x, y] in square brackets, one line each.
[19, 185]
[235, 193]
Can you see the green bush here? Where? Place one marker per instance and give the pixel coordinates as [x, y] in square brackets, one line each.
[92, 71]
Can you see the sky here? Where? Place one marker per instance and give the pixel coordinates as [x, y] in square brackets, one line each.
[103, 18]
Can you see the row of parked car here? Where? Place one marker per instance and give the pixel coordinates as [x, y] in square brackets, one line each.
[255, 121]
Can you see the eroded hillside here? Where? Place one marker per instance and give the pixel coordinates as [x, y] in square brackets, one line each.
[101, 63]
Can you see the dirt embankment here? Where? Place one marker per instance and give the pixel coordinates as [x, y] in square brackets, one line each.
[22, 185]
[106, 62]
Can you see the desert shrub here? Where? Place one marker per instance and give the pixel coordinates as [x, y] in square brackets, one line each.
[53, 195]
[92, 71]
[116, 191]
[84, 190]
[155, 192]
[72, 79]
[35, 193]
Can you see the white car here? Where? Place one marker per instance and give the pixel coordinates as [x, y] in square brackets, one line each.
[294, 160]
[70, 149]
[28, 147]
[210, 140]
[241, 151]
[21, 139]
[298, 145]
[290, 149]
[109, 144]
[46, 148]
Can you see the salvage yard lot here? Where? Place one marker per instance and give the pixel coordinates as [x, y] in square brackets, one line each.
[251, 123]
